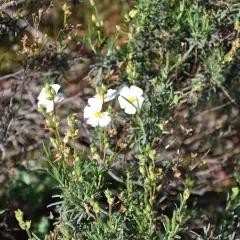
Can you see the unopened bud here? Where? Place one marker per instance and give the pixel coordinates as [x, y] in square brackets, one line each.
[42, 109]
[142, 170]
[54, 119]
[133, 13]
[94, 19]
[80, 179]
[48, 123]
[53, 142]
[159, 187]
[66, 139]
[92, 2]
[96, 207]
[148, 208]
[76, 133]
[118, 28]
[186, 194]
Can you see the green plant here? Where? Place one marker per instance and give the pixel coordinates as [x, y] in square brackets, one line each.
[25, 189]
[24, 225]
[177, 52]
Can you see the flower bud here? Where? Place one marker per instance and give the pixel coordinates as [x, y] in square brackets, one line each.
[99, 24]
[70, 120]
[70, 132]
[67, 152]
[48, 123]
[80, 179]
[142, 170]
[96, 207]
[94, 19]
[42, 109]
[53, 142]
[148, 208]
[66, 139]
[92, 3]
[54, 119]
[152, 177]
[109, 197]
[147, 182]
[127, 19]
[133, 13]
[118, 28]
[23, 225]
[76, 133]
[159, 187]
[186, 194]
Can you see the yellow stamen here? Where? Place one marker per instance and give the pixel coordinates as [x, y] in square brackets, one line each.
[132, 99]
[98, 114]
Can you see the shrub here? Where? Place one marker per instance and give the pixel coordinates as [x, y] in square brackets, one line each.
[177, 53]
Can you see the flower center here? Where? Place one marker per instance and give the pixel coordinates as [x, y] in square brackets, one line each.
[132, 99]
[98, 114]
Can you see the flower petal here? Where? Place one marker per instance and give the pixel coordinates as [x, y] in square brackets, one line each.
[59, 97]
[136, 91]
[139, 102]
[111, 94]
[88, 112]
[49, 105]
[95, 103]
[104, 120]
[97, 96]
[42, 95]
[43, 101]
[123, 102]
[130, 109]
[93, 122]
[125, 92]
[55, 87]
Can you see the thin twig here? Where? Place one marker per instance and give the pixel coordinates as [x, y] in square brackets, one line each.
[118, 179]
[11, 75]
[22, 23]
[213, 109]
[227, 95]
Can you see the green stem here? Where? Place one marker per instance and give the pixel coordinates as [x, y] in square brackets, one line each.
[105, 145]
[74, 149]
[29, 234]
[189, 92]
[65, 19]
[58, 137]
[99, 180]
[104, 153]
[110, 215]
[141, 126]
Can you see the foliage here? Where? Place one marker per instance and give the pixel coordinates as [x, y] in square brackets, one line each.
[23, 225]
[25, 189]
[177, 52]
[227, 224]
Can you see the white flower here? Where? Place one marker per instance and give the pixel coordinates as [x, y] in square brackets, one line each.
[110, 95]
[131, 99]
[43, 98]
[94, 114]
